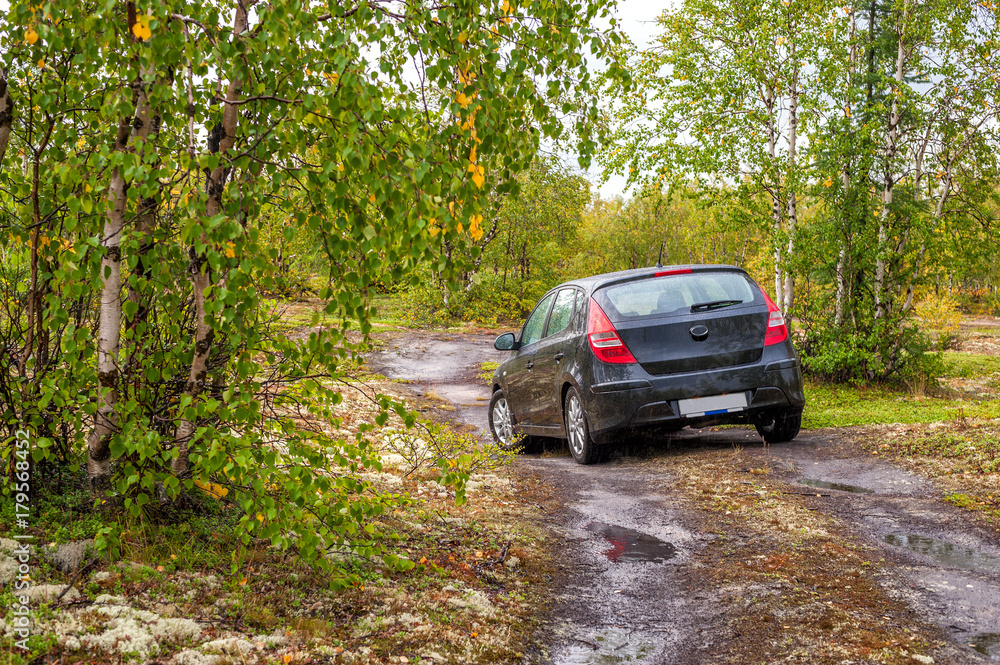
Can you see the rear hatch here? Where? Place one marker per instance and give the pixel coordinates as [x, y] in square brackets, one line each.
[688, 321]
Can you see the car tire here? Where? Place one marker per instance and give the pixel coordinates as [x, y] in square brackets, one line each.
[779, 426]
[581, 444]
[503, 425]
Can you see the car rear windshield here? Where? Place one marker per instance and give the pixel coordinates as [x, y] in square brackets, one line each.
[677, 294]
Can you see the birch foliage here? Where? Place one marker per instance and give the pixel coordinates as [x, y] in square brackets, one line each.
[154, 144]
[863, 133]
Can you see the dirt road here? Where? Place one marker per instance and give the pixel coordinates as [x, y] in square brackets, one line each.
[711, 547]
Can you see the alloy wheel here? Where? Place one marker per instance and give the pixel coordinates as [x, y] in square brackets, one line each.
[576, 426]
[502, 424]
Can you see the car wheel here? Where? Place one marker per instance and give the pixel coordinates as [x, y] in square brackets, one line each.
[581, 445]
[503, 427]
[780, 426]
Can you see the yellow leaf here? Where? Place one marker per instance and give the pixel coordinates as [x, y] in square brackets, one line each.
[462, 37]
[287, 658]
[260, 517]
[472, 155]
[41, 63]
[371, 197]
[465, 74]
[462, 99]
[230, 250]
[475, 228]
[213, 489]
[30, 36]
[141, 28]
[159, 569]
[460, 227]
[478, 177]
[243, 581]
[423, 559]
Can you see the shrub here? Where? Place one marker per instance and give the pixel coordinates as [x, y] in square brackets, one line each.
[939, 318]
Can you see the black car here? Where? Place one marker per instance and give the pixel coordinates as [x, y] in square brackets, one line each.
[660, 347]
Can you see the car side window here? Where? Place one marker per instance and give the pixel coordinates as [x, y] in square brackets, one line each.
[580, 317]
[536, 322]
[562, 312]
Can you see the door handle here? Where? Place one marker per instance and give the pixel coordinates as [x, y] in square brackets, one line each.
[529, 365]
[559, 356]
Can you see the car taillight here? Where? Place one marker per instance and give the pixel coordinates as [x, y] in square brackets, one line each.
[604, 339]
[777, 331]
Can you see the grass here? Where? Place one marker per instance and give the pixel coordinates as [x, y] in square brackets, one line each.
[970, 365]
[845, 406]
[297, 315]
[486, 370]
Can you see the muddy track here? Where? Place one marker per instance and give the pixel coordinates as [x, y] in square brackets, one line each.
[654, 568]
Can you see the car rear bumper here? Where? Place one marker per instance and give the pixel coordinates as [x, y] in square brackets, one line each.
[653, 400]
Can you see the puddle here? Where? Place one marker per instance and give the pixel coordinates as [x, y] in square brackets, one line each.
[946, 553]
[631, 545]
[840, 487]
[987, 644]
[607, 648]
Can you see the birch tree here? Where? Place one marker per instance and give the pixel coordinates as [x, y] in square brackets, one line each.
[156, 140]
[719, 99]
[922, 105]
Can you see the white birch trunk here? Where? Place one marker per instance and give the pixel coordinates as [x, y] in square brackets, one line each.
[838, 314]
[772, 140]
[887, 190]
[201, 276]
[793, 124]
[145, 126]
[109, 330]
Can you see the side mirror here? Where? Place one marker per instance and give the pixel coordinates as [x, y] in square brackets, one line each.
[506, 342]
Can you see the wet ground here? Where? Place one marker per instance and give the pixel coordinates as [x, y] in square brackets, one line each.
[630, 586]
[943, 563]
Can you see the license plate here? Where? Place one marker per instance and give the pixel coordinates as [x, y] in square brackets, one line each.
[713, 404]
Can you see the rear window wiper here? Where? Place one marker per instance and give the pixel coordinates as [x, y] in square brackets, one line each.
[714, 304]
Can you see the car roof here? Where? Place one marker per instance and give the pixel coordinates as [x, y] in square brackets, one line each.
[594, 282]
